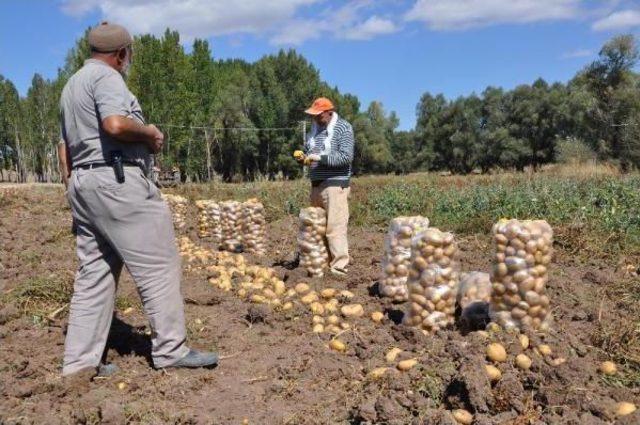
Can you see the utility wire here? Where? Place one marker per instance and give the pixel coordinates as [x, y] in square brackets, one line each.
[228, 128]
[624, 125]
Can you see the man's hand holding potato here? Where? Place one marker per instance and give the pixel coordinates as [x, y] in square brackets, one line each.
[299, 156]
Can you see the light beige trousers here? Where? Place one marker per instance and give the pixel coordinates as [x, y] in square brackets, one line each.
[122, 224]
[335, 200]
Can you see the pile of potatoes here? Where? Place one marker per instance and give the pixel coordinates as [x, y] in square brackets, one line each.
[231, 225]
[208, 219]
[260, 285]
[178, 207]
[474, 296]
[229, 268]
[397, 256]
[186, 246]
[254, 227]
[523, 253]
[230, 260]
[329, 316]
[220, 276]
[314, 256]
[195, 256]
[433, 281]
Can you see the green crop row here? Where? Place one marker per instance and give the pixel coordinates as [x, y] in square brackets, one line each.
[597, 209]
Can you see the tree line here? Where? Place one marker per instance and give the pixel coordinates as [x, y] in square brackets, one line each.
[236, 120]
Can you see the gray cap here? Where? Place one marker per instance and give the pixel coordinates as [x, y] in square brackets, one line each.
[108, 37]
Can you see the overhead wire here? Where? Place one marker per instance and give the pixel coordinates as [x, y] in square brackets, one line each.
[204, 127]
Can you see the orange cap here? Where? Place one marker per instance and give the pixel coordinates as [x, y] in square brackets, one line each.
[320, 105]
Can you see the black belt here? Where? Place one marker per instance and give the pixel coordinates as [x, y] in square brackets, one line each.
[331, 183]
[106, 164]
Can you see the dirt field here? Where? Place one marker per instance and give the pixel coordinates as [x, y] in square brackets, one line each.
[275, 370]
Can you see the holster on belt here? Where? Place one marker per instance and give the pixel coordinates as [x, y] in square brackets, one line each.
[118, 166]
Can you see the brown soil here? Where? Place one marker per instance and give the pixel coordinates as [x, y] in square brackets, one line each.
[275, 370]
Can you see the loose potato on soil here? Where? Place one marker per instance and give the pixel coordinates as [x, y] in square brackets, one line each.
[377, 316]
[493, 373]
[523, 362]
[392, 354]
[463, 417]
[352, 310]
[608, 368]
[337, 345]
[625, 408]
[378, 373]
[405, 365]
[496, 353]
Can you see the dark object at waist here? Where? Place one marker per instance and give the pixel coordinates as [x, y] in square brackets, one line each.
[330, 183]
[107, 164]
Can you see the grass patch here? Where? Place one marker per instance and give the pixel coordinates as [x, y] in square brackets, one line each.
[40, 296]
[30, 257]
[429, 385]
[124, 302]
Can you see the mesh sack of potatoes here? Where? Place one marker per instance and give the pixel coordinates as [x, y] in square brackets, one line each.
[204, 219]
[231, 225]
[178, 207]
[254, 227]
[397, 256]
[474, 296]
[433, 281]
[523, 254]
[214, 213]
[314, 256]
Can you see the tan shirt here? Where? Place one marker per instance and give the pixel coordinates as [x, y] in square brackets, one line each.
[92, 94]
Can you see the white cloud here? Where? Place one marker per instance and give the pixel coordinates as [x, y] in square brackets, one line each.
[621, 20]
[345, 22]
[463, 14]
[192, 18]
[579, 53]
[298, 31]
[77, 7]
[279, 20]
[370, 28]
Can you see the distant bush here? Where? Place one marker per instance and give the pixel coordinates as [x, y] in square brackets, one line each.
[574, 151]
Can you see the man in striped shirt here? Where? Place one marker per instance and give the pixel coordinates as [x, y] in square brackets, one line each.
[329, 151]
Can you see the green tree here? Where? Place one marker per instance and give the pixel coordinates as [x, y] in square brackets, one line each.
[403, 149]
[10, 128]
[374, 130]
[430, 112]
[41, 113]
[613, 84]
[76, 56]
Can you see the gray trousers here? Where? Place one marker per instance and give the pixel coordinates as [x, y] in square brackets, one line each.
[120, 224]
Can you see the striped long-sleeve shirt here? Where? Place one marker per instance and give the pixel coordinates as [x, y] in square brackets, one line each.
[336, 165]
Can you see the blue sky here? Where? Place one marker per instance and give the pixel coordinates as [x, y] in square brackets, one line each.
[386, 50]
